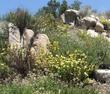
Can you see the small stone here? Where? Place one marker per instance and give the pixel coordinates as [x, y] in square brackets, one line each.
[102, 75]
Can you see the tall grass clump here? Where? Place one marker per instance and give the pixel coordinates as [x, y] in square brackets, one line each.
[3, 34]
[21, 18]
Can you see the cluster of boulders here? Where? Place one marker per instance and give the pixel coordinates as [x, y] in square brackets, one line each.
[37, 43]
[40, 45]
[91, 23]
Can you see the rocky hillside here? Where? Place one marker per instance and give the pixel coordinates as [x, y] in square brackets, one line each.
[68, 51]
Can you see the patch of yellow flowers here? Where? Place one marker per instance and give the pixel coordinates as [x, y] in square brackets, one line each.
[74, 66]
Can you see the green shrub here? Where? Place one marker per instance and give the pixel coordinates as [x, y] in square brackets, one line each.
[97, 49]
[2, 41]
[4, 68]
[4, 71]
[73, 68]
[18, 60]
[46, 23]
[106, 23]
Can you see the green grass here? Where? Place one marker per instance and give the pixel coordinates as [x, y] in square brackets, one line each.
[14, 89]
[44, 85]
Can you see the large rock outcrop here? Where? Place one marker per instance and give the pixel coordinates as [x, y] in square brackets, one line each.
[14, 36]
[37, 44]
[18, 41]
[92, 22]
[99, 27]
[40, 45]
[89, 22]
[27, 37]
[71, 16]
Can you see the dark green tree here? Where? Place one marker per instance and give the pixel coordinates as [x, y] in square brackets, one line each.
[63, 7]
[76, 5]
[53, 6]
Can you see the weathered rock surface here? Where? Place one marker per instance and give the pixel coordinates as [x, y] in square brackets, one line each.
[102, 75]
[95, 17]
[102, 88]
[63, 18]
[40, 45]
[89, 22]
[99, 27]
[92, 22]
[14, 36]
[27, 37]
[71, 16]
[106, 36]
[92, 33]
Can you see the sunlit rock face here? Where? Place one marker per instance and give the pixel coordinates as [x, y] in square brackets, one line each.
[27, 37]
[99, 27]
[15, 40]
[89, 22]
[40, 45]
[92, 33]
[37, 44]
[71, 16]
[102, 75]
[14, 36]
[92, 22]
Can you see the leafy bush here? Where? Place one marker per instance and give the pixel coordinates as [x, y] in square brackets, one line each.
[4, 71]
[46, 23]
[106, 23]
[4, 68]
[2, 41]
[73, 68]
[69, 41]
[55, 29]
[97, 49]
[18, 60]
